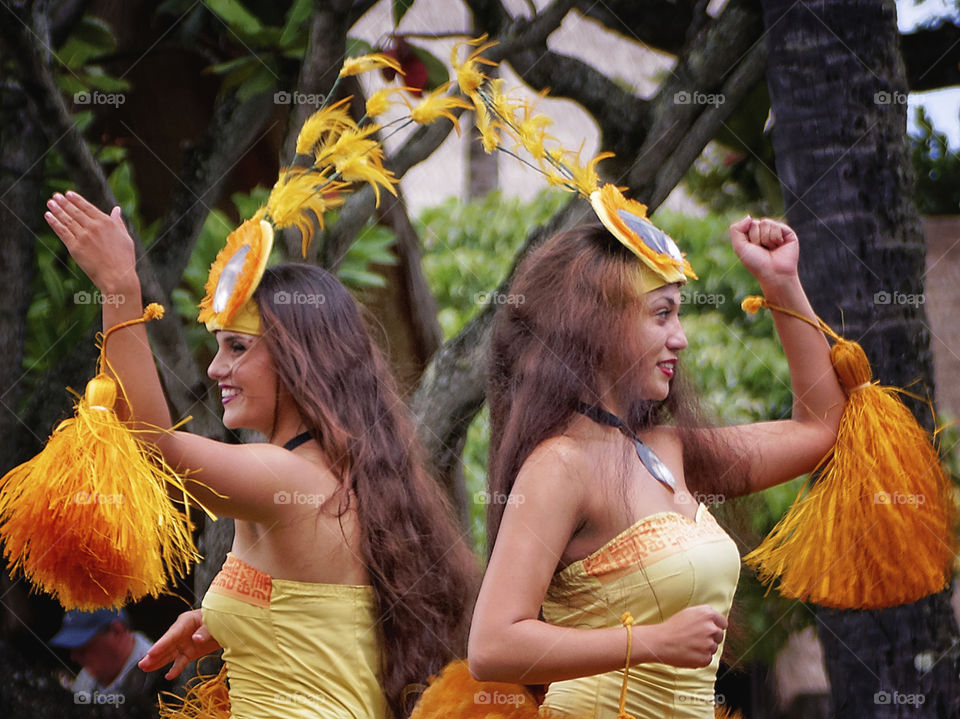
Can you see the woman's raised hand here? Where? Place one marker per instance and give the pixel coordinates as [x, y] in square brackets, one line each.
[99, 243]
[187, 639]
[690, 637]
[768, 248]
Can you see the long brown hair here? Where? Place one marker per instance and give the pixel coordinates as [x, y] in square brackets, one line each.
[562, 325]
[422, 572]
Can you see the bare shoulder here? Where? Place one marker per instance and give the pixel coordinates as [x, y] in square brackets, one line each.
[561, 456]
[558, 466]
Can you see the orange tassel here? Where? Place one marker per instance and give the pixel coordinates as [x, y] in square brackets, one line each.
[454, 694]
[207, 697]
[89, 519]
[724, 713]
[877, 528]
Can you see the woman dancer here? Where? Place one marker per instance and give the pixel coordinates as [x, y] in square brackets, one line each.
[347, 582]
[599, 470]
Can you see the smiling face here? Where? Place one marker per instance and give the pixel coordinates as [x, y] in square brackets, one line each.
[248, 382]
[653, 339]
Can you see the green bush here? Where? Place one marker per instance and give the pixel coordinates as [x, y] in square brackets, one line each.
[937, 168]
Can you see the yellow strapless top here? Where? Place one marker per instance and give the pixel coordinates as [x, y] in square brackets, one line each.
[295, 649]
[660, 565]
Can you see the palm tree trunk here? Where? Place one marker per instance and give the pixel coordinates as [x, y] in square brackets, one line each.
[838, 95]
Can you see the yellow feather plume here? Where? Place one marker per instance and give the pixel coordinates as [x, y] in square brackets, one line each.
[469, 75]
[877, 528]
[325, 123]
[438, 104]
[298, 191]
[378, 103]
[356, 158]
[89, 519]
[365, 63]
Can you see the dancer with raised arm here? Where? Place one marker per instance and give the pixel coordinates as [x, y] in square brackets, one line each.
[601, 471]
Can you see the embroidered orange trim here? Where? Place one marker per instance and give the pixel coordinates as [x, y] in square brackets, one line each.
[652, 539]
[239, 580]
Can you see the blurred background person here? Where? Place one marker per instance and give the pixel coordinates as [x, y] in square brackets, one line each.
[102, 643]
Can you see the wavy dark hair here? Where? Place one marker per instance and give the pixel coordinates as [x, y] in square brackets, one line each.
[423, 575]
[574, 296]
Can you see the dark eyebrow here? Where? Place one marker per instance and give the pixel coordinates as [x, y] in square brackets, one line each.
[666, 298]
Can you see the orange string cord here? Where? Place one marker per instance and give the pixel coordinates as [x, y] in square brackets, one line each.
[753, 303]
[627, 621]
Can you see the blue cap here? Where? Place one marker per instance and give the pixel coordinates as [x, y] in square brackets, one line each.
[80, 627]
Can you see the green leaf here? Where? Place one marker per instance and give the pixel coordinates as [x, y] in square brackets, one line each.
[357, 47]
[92, 38]
[294, 29]
[121, 182]
[468, 248]
[95, 31]
[235, 15]
[97, 78]
[249, 78]
[52, 280]
[229, 66]
[360, 278]
[262, 80]
[400, 8]
[371, 247]
[436, 70]
[248, 203]
[937, 169]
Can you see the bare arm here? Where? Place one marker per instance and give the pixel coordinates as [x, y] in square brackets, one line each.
[245, 479]
[104, 250]
[780, 450]
[257, 482]
[507, 640]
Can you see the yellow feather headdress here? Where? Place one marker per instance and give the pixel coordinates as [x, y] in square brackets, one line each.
[344, 152]
[89, 519]
[501, 116]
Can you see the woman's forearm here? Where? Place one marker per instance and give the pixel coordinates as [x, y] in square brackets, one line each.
[533, 652]
[131, 360]
[817, 394]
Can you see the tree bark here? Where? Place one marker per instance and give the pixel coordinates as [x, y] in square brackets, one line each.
[22, 147]
[838, 93]
[405, 307]
[453, 387]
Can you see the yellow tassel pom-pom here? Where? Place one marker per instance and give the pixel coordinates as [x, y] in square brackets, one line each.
[153, 311]
[207, 697]
[877, 528]
[751, 305]
[101, 393]
[89, 519]
[454, 694]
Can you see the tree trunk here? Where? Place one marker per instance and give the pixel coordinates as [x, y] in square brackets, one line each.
[22, 147]
[838, 94]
